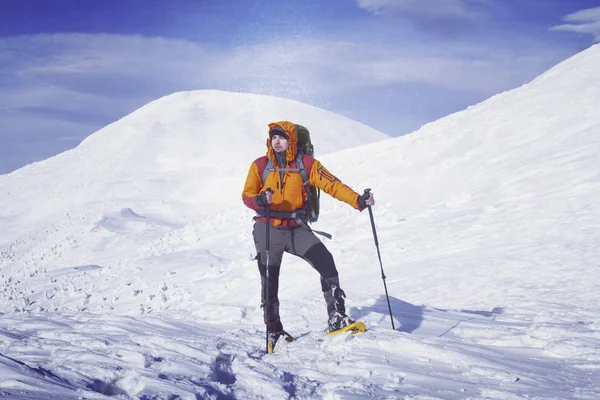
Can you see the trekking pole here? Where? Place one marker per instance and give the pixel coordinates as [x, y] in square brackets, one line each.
[267, 280]
[380, 263]
[267, 275]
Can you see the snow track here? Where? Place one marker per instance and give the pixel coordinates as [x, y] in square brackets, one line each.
[452, 355]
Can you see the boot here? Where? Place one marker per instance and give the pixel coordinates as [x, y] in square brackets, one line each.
[270, 306]
[271, 316]
[336, 309]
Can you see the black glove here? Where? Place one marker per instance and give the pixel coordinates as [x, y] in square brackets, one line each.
[261, 199]
[362, 200]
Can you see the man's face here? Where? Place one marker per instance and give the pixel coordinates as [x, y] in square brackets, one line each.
[279, 143]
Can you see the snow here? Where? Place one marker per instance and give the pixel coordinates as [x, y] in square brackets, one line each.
[127, 264]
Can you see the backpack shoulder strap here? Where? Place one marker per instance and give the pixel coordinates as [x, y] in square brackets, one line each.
[304, 162]
[265, 167]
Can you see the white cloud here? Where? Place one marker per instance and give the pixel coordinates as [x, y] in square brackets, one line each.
[461, 9]
[589, 14]
[100, 68]
[584, 21]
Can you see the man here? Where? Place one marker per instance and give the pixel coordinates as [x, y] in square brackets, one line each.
[283, 191]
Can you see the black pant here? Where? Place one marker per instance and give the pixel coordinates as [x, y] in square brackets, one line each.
[300, 242]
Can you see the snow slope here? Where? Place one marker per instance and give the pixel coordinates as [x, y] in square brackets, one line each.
[127, 264]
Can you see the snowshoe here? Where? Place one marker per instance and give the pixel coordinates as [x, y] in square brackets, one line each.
[353, 327]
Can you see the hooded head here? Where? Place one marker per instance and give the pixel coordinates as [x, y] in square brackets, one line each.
[283, 128]
[277, 130]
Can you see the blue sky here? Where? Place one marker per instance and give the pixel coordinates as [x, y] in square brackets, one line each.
[70, 67]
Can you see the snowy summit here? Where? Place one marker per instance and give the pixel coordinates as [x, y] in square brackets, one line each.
[127, 265]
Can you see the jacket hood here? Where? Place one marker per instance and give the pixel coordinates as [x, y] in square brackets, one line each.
[290, 129]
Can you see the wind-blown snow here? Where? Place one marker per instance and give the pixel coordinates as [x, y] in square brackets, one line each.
[127, 263]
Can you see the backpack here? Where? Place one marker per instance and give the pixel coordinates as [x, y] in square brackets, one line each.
[305, 146]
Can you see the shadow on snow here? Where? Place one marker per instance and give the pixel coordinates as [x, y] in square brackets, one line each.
[409, 317]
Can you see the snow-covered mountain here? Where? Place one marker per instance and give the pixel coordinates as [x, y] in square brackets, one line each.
[177, 143]
[180, 159]
[127, 263]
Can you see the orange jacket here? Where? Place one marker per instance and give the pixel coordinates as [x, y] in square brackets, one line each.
[289, 194]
